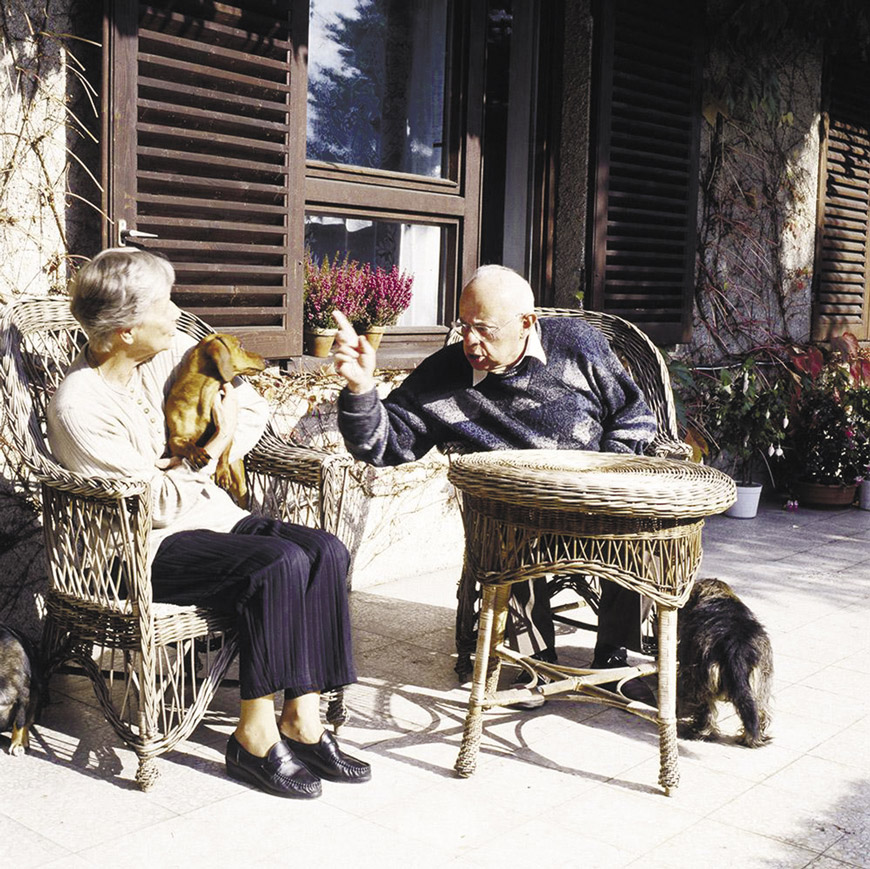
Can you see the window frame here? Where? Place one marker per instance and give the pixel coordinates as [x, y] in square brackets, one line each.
[452, 203]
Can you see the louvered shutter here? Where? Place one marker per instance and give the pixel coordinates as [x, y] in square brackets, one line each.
[645, 164]
[201, 155]
[842, 298]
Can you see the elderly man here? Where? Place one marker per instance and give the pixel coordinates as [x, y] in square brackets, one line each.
[515, 382]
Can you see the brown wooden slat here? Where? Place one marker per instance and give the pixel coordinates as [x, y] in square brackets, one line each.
[157, 66]
[233, 105]
[214, 55]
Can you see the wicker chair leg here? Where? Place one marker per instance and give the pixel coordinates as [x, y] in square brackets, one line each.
[147, 773]
[669, 770]
[336, 708]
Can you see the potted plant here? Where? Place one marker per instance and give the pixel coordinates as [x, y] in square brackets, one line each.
[328, 286]
[737, 416]
[830, 440]
[386, 295]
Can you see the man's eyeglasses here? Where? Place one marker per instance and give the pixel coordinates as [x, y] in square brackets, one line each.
[484, 331]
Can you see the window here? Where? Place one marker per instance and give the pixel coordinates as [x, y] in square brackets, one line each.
[241, 153]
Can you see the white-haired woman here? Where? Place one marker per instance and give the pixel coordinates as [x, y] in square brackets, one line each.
[285, 582]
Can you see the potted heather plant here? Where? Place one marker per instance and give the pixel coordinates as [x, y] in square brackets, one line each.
[386, 296]
[327, 286]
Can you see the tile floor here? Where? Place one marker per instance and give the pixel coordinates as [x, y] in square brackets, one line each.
[569, 784]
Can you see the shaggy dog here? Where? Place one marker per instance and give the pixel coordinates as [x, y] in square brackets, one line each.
[21, 687]
[216, 360]
[724, 654]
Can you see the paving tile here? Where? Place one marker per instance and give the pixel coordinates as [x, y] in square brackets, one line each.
[629, 820]
[22, 846]
[712, 843]
[780, 814]
[843, 785]
[700, 790]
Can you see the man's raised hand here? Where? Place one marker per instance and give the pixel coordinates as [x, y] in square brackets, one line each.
[354, 357]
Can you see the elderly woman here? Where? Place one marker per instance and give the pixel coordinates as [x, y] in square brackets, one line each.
[285, 582]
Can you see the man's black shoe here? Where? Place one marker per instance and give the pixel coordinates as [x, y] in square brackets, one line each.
[326, 760]
[279, 772]
[633, 689]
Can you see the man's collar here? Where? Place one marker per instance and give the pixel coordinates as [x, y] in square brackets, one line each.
[534, 348]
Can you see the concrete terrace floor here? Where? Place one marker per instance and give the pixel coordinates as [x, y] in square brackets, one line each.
[570, 784]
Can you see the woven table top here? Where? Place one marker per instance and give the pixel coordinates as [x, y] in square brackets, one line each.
[592, 482]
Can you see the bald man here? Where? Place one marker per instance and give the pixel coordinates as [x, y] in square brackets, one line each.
[515, 382]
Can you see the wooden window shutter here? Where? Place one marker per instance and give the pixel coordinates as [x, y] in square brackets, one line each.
[645, 164]
[842, 300]
[201, 154]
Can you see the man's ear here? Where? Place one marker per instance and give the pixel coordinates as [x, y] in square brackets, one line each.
[529, 320]
[126, 335]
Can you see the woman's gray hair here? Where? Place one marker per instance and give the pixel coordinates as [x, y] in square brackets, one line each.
[115, 289]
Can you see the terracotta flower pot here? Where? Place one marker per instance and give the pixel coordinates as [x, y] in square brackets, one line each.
[824, 494]
[318, 342]
[374, 334]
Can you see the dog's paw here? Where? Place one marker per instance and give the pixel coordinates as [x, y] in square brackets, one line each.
[753, 741]
[690, 731]
[196, 455]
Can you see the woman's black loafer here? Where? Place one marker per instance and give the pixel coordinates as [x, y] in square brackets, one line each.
[327, 761]
[279, 772]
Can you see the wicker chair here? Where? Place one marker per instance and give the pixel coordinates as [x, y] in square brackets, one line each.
[155, 667]
[643, 360]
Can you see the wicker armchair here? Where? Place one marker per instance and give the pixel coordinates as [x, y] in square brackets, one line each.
[155, 667]
[643, 360]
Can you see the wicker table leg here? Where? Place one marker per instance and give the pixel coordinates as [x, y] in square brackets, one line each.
[669, 770]
[493, 611]
[147, 773]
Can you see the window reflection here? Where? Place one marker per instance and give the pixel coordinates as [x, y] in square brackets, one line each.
[415, 248]
[376, 84]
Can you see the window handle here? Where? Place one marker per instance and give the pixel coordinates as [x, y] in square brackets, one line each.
[124, 234]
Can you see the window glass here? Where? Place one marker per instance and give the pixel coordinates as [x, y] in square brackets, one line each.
[416, 248]
[376, 84]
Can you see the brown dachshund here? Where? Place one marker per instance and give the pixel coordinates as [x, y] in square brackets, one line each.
[216, 360]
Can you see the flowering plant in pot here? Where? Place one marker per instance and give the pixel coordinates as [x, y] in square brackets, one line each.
[327, 287]
[830, 441]
[386, 295]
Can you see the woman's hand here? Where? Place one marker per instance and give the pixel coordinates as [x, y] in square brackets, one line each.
[225, 416]
[355, 358]
[225, 410]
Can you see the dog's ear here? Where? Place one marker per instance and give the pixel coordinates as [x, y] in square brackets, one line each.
[221, 354]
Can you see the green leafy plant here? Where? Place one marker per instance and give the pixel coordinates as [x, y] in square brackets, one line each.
[736, 416]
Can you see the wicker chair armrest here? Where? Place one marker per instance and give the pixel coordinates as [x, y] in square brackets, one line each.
[304, 465]
[664, 447]
[90, 487]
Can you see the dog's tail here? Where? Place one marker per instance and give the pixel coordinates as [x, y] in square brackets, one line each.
[747, 682]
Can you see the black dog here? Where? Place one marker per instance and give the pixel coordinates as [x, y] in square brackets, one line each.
[724, 654]
[21, 689]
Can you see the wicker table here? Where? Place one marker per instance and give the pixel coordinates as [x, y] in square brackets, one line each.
[629, 519]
